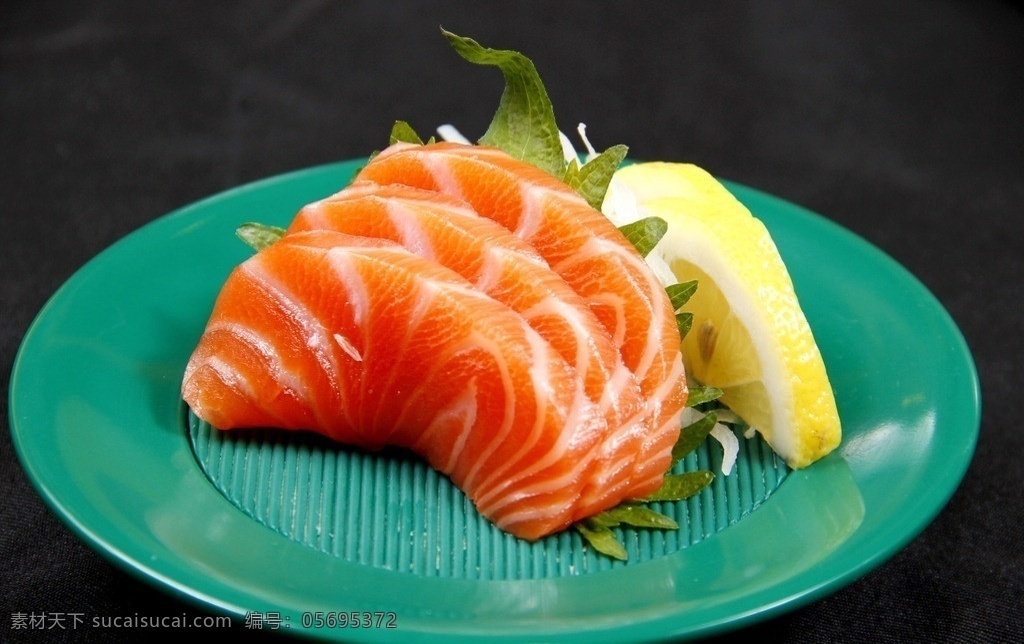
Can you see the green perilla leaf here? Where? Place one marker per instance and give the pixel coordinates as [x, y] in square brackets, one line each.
[644, 234]
[682, 486]
[259, 236]
[524, 125]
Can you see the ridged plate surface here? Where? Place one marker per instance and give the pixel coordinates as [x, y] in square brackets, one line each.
[390, 510]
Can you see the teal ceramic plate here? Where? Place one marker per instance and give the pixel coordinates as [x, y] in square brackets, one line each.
[100, 429]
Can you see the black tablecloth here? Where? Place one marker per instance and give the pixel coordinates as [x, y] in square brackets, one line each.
[902, 121]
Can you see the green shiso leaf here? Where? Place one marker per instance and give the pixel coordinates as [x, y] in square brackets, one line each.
[702, 394]
[692, 436]
[684, 321]
[259, 236]
[601, 539]
[572, 173]
[680, 294]
[645, 233]
[681, 486]
[524, 125]
[637, 516]
[402, 132]
[592, 178]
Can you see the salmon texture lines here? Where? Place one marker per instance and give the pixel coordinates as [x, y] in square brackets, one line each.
[471, 308]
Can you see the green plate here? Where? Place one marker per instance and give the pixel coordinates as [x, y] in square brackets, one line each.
[100, 429]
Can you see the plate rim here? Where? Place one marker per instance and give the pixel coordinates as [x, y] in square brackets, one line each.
[666, 624]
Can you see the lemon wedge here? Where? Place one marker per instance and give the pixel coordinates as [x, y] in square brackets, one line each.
[749, 336]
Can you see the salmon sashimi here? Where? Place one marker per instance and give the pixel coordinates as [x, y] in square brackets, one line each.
[471, 308]
[447, 230]
[372, 345]
[585, 249]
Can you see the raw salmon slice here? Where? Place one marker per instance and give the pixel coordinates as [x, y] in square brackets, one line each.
[446, 230]
[372, 345]
[464, 305]
[585, 249]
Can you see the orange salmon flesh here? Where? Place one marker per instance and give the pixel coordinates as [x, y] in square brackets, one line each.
[467, 306]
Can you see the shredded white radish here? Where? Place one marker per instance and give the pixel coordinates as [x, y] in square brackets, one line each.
[689, 416]
[449, 132]
[730, 446]
[727, 416]
[621, 208]
[582, 130]
[720, 432]
[568, 151]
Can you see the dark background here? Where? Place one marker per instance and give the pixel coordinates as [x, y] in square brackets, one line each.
[900, 120]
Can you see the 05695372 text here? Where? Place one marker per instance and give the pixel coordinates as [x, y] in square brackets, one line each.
[324, 619]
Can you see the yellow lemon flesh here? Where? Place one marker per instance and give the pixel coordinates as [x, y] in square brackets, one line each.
[749, 337]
